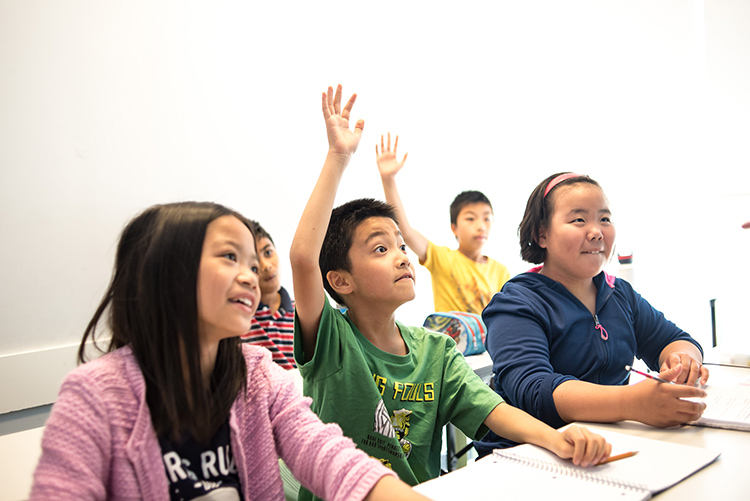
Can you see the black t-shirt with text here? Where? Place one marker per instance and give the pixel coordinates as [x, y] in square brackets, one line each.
[201, 472]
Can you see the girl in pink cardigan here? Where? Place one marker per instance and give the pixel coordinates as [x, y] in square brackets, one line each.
[178, 408]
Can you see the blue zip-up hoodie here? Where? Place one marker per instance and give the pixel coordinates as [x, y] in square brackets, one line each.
[540, 335]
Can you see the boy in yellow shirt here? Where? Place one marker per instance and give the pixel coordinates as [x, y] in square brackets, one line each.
[463, 279]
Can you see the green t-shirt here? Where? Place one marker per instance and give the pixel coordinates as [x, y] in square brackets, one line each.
[393, 407]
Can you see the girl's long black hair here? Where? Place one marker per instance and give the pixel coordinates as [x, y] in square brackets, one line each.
[151, 306]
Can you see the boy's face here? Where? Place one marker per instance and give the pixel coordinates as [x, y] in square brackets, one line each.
[473, 226]
[268, 274]
[380, 267]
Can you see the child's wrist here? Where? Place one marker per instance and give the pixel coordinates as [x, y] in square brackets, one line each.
[629, 401]
[339, 156]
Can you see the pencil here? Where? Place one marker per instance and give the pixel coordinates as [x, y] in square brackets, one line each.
[650, 376]
[618, 457]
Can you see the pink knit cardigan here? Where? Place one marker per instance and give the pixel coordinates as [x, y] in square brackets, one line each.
[99, 442]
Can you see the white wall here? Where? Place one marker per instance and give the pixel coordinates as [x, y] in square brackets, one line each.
[109, 107]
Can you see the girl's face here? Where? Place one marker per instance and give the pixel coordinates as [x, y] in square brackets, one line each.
[228, 292]
[580, 237]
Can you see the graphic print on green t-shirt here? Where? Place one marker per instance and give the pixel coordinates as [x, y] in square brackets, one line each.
[394, 407]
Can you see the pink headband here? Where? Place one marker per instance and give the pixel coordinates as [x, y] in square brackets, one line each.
[558, 180]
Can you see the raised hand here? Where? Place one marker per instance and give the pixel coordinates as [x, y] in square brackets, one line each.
[388, 163]
[341, 140]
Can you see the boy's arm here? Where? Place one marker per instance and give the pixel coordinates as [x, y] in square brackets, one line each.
[308, 239]
[389, 166]
[583, 446]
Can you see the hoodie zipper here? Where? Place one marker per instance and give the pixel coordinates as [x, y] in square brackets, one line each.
[602, 331]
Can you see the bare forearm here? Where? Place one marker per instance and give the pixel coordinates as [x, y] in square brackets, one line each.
[305, 250]
[650, 402]
[514, 424]
[581, 445]
[413, 238]
[389, 488]
[314, 221]
[582, 401]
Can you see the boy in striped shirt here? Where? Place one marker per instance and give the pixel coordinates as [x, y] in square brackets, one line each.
[273, 324]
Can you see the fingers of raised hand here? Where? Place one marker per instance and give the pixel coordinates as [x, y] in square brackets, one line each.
[326, 103]
[337, 100]
[332, 103]
[383, 147]
[346, 112]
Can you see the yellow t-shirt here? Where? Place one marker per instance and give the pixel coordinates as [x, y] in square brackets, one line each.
[460, 284]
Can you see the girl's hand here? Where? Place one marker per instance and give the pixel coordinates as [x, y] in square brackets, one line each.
[691, 371]
[341, 140]
[663, 404]
[585, 447]
[388, 164]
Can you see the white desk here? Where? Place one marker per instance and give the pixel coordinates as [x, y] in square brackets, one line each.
[19, 454]
[727, 478]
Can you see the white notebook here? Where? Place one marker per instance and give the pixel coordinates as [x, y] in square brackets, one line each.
[726, 407]
[530, 472]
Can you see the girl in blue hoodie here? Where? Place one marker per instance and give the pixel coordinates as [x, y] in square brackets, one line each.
[561, 334]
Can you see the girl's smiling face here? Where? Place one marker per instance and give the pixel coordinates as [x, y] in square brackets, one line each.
[228, 292]
[580, 237]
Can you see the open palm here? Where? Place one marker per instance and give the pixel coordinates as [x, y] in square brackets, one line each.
[341, 140]
[388, 163]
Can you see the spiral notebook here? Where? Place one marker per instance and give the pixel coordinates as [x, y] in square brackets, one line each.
[530, 472]
[727, 407]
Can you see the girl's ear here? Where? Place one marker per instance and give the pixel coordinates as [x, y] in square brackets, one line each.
[542, 239]
[340, 281]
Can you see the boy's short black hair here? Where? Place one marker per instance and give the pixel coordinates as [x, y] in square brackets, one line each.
[345, 219]
[466, 198]
[258, 231]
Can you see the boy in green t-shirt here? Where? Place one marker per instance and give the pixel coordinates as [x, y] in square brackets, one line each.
[390, 387]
